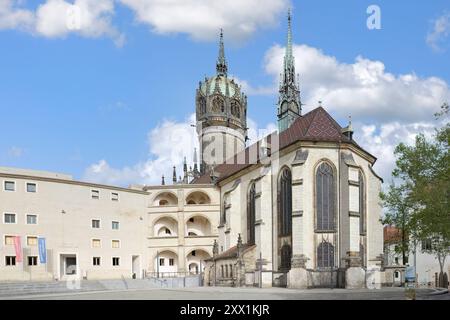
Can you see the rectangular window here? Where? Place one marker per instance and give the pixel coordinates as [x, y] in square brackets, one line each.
[114, 196]
[96, 261]
[31, 219]
[95, 194]
[96, 224]
[171, 262]
[96, 243]
[32, 261]
[161, 262]
[10, 261]
[9, 240]
[116, 244]
[115, 225]
[32, 241]
[426, 244]
[31, 187]
[116, 261]
[9, 218]
[10, 186]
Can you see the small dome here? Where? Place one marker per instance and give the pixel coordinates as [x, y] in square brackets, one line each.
[210, 84]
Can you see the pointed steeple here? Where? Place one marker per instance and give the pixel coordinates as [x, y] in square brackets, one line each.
[221, 65]
[289, 104]
[174, 177]
[185, 171]
[289, 56]
[196, 172]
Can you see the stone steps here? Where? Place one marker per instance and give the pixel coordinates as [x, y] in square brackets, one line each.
[10, 289]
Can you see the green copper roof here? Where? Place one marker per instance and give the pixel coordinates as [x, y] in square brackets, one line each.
[222, 85]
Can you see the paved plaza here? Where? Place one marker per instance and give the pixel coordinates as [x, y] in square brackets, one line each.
[215, 293]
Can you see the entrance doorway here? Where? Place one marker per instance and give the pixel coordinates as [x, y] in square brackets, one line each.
[135, 267]
[68, 265]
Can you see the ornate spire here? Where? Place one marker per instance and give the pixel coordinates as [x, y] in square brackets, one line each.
[221, 66]
[289, 56]
[196, 172]
[174, 178]
[289, 104]
[185, 171]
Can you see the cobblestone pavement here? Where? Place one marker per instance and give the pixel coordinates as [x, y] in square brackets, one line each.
[209, 293]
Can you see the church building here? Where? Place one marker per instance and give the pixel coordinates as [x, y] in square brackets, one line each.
[298, 208]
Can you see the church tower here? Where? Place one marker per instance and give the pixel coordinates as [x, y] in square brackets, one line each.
[221, 109]
[289, 104]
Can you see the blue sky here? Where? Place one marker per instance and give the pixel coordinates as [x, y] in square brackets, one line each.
[94, 102]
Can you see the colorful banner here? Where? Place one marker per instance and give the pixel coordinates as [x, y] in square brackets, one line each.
[42, 251]
[18, 247]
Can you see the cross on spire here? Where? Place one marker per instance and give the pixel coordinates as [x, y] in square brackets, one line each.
[221, 66]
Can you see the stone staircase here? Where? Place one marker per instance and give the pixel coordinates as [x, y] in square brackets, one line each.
[18, 289]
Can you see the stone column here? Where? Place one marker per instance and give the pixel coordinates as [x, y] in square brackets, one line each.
[263, 225]
[298, 275]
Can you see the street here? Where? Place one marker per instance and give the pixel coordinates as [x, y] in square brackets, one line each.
[222, 293]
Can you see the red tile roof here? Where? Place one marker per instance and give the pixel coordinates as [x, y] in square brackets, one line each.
[392, 234]
[316, 125]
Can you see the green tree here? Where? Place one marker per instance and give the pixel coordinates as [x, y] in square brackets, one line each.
[398, 214]
[419, 205]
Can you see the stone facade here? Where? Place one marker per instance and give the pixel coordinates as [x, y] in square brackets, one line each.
[176, 224]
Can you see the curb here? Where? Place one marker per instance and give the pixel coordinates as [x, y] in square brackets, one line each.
[439, 291]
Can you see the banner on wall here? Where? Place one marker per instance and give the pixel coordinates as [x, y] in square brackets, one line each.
[18, 248]
[42, 251]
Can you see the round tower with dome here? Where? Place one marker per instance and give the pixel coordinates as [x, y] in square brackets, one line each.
[221, 109]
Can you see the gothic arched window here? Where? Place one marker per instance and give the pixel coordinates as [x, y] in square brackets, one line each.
[235, 109]
[202, 105]
[251, 214]
[285, 203]
[223, 216]
[218, 105]
[362, 204]
[325, 255]
[325, 198]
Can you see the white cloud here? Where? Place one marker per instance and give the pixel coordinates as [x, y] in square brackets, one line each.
[381, 140]
[59, 18]
[441, 30]
[202, 19]
[169, 143]
[386, 108]
[363, 89]
[12, 17]
[15, 152]
[250, 90]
